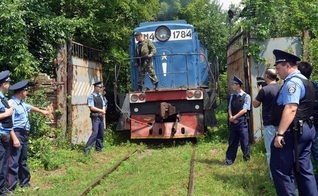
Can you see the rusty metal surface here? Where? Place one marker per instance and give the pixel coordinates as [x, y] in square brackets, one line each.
[166, 110]
[145, 127]
[77, 68]
[247, 69]
[82, 73]
[61, 81]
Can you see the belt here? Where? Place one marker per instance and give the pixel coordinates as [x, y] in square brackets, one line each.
[20, 130]
[95, 115]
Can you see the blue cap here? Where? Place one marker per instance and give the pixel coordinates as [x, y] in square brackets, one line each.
[237, 80]
[282, 56]
[4, 76]
[99, 84]
[19, 86]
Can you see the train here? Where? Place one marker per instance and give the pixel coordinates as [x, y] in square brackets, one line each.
[184, 105]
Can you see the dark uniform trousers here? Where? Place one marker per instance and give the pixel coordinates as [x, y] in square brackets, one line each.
[4, 153]
[97, 134]
[17, 162]
[283, 161]
[238, 133]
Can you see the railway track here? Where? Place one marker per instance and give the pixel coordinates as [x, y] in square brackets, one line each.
[97, 181]
[191, 176]
[104, 175]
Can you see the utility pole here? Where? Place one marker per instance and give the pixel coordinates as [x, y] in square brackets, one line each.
[231, 14]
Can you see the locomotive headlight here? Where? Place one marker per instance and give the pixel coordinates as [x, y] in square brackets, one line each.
[197, 94]
[197, 107]
[134, 98]
[190, 94]
[162, 33]
[142, 97]
[136, 110]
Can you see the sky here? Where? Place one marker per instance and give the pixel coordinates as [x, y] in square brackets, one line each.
[227, 3]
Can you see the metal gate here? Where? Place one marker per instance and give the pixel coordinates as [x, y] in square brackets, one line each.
[78, 67]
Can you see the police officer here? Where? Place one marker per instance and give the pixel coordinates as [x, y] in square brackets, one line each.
[96, 105]
[145, 50]
[240, 103]
[6, 125]
[306, 68]
[292, 144]
[18, 168]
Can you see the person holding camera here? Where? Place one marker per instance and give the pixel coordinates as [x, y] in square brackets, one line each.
[268, 89]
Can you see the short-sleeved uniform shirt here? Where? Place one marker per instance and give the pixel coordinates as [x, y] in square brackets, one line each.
[3, 109]
[247, 100]
[90, 99]
[293, 89]
[20, 114]
[267, 96]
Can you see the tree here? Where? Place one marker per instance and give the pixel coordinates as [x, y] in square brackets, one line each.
[29, 34]
[212, 24]
[282, 18]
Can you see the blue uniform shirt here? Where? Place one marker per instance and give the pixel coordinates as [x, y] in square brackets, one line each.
[20, 114]
[247, 100]
[90, 99]
[3, 109]
[293, 89]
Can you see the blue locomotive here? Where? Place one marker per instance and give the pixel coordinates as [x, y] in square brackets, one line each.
[184, 104]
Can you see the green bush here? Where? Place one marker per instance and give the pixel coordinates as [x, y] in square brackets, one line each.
[42, 138]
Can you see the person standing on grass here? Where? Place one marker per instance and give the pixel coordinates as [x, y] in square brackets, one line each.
[291, 148]
[96, 105]
[305, 68]
[6, 132]
[266, 97]
[17, 162]
[239, 105]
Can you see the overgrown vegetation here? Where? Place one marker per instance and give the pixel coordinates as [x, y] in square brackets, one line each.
[280, 18]
[30, 30]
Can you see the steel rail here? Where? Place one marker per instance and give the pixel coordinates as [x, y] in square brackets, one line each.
[191, 176]
[97, 181]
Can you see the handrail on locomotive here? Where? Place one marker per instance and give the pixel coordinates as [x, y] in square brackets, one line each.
[214, 83]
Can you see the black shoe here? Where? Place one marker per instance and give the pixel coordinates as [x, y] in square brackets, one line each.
[139, 88]
[156, 87]
[86, 151]
[227, 164]
[9, 192]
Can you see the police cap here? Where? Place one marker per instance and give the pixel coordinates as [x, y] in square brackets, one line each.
[99, 84]
[237, 80]
[282, 56]
[19, 86]
[4, 76]
[138, 33]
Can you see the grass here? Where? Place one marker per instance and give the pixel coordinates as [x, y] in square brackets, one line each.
[155, 170]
